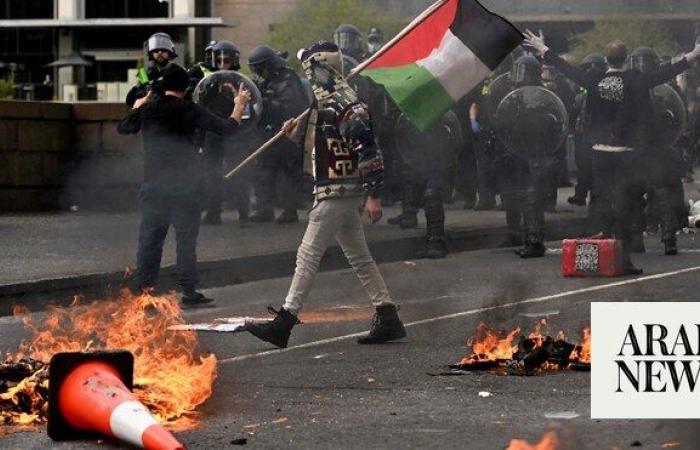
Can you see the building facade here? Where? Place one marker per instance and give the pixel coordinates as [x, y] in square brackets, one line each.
[107, 34]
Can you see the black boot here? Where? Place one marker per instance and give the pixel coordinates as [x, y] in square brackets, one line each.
[485, 203]
[409, 220]
[243, 220]
[193, 299]
[264, 215]
[395, 220]
[577, 201]
[435, 248]
[212, 218]
[670, 246]
[288, 216]
[386, 326]
[277, 331]
[533, 248]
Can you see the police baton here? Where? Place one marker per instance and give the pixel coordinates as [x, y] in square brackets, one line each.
[417, 21]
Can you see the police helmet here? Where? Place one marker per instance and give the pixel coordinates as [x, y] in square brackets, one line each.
[161, 41]
[226, 52]
[349, 39]
[375, 39]
[594, 62]
[264, 60]
[644, 59]
[527, 70]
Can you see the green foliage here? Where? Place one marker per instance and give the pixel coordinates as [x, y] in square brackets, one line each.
[313, 20]
[632, 32]
[7, 89]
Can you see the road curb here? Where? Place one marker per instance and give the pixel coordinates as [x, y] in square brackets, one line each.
[39, 293]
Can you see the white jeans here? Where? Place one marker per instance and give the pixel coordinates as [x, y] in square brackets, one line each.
[337, 218]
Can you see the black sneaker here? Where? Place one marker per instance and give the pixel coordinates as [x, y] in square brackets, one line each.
[485, 205]
[409, 221]
[531, 251]
[435, 248]
[288, 216]
[276, 331]
[577, 201]
[629, 269]
[386, 326]
[266, 215]
[211, 218]
[193, 299]
[395, 220]
[670, 247]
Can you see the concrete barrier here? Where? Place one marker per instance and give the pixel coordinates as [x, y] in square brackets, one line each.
[56, 155]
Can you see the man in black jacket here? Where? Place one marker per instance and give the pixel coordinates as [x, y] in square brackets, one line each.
[618, 100]
[170, 191]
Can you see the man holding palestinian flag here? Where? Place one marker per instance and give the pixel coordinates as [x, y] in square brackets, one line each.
[443, 54]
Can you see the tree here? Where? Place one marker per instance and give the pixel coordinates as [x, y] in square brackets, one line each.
[7, 89]
[312, 21]
[634, 33]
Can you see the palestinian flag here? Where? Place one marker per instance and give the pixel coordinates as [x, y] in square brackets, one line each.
[453, 47]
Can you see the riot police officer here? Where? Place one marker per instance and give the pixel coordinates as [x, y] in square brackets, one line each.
[203, 68]
[526, 172]
[426, 175]
[161, 50]
[583, 148]
[349, 39]
[557, 83]
[664, 160]
[375, 40]
[284, 98]
[226, 56]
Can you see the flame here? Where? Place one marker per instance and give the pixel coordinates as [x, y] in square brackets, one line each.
[549, 441]
[583, 352]
[490, 345]
[171, 376]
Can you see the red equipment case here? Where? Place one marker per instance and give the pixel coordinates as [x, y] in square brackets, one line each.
[591, 257]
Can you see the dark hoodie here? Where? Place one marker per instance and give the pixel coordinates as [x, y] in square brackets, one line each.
[169, 125]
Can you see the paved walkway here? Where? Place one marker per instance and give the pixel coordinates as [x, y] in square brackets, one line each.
[50, 246]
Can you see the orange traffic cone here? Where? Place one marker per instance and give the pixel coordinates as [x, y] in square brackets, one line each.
[90, 395]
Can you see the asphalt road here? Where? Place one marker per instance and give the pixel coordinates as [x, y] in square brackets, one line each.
[325, 391]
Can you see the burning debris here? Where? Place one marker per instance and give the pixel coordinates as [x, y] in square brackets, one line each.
[529, 355]
[550, 441]
[171, 376]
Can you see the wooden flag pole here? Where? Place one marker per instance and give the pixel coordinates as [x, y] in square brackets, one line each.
[280, 134]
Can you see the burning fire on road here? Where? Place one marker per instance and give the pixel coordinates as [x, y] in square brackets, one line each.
[550, 441]
[172, 377]
[520, 355]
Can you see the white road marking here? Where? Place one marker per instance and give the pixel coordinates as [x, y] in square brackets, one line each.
[470, 312]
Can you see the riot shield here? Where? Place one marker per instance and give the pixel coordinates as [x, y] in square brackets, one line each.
[670, 116]
[532, 122]
[217, 91]
[498, 89]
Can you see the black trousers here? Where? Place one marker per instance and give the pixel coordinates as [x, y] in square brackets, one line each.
[583, 154]
[666, 197]
[619, 184]
[279, 164]
[161, 208]
[525, 189]
[487, 171]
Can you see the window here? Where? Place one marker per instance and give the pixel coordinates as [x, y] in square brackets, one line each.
[26, 9]
[95, 9]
